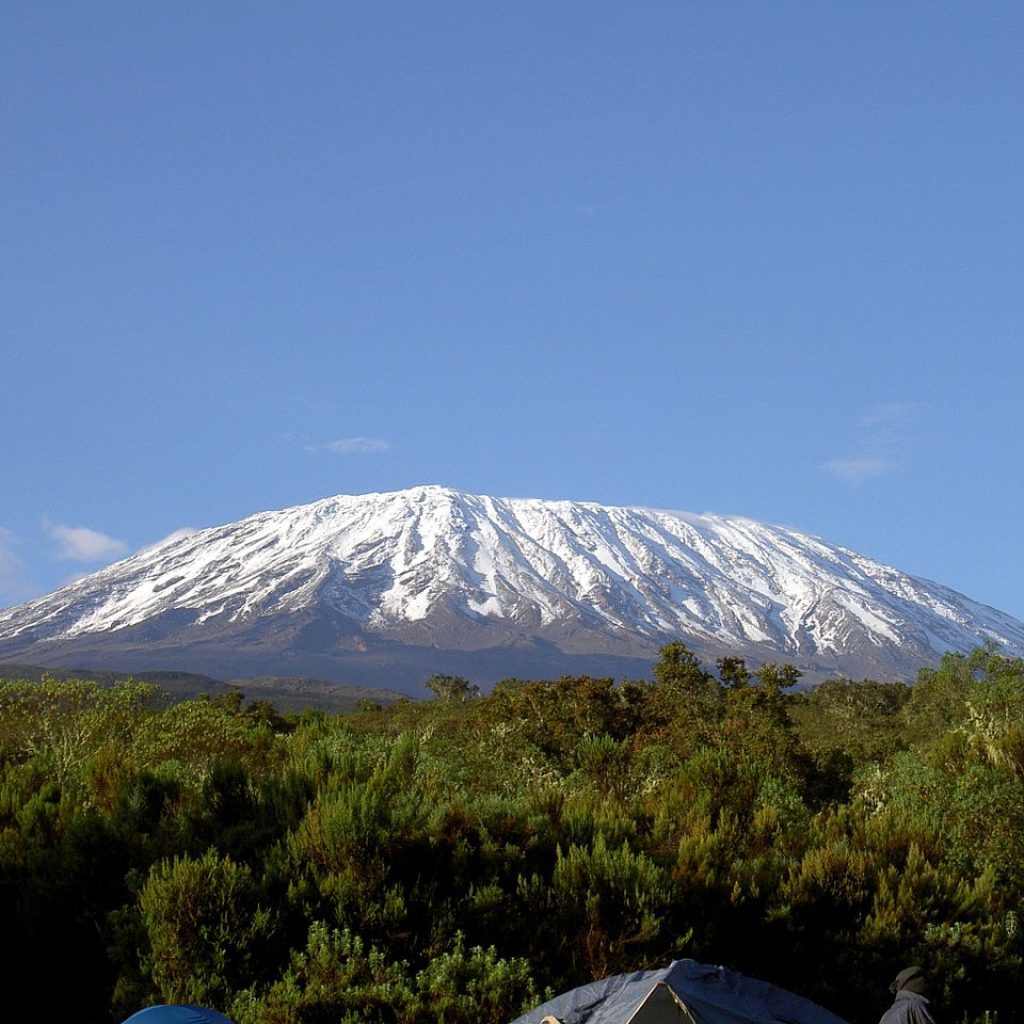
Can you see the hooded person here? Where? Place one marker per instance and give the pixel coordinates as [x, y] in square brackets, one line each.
[911, 1005]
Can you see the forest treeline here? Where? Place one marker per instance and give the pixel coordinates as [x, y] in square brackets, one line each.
[459, 859]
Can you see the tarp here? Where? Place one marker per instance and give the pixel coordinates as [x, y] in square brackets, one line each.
[685, 992]
[177, 1014]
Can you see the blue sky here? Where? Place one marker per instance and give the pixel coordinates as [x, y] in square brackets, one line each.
[762, 259]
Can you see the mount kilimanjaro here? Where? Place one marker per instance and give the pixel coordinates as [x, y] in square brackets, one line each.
[387, 589]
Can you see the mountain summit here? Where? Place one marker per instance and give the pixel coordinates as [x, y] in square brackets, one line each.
[390, 588]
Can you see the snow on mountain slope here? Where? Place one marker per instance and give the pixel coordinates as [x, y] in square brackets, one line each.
[434, 567]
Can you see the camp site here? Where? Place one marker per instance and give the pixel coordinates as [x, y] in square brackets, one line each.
[685, 992]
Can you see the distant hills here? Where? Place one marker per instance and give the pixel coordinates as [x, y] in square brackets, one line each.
[383, 590]
[287, 695]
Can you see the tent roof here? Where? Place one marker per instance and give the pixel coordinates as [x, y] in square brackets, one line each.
[707, 994]
[177, 1014]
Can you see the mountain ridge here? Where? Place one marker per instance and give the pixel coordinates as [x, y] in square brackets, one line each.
[432, 579]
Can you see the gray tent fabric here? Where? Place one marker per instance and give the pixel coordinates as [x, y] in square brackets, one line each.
[685, 992]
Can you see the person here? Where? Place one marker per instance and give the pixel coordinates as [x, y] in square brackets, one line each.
[911, 1005]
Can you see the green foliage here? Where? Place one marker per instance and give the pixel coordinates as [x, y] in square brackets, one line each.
[848, 727]
[452, 688]
[605, 904]
[685, 705]
[334, 978]
[338, 978]
[733, 673]
[677, 666]
[474, 986]
[63, 723]
[204, 925]
[454, 859]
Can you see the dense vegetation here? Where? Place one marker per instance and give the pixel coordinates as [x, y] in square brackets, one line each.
[456, 860]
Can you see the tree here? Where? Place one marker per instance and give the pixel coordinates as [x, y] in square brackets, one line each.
[452, 689]
[733, 673]
[607, 906]
[758, 724]
[686, 700]
[778, 677]
[677, 666]
[203, 924]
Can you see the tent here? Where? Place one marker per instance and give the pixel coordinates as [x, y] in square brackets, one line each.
[177, 1014]
[685, 992]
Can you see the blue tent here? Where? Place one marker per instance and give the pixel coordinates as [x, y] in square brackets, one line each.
[685, 992]
[177, 1014]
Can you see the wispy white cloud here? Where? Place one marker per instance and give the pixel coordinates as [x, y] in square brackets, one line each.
[13, 587]
[890, 414]
[175, 535]
[7, 557]
[857, 470]
[352, 446]
[171, 538]
[80, 544]
[882, 444]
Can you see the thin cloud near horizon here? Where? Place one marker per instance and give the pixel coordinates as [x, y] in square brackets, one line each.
[857, 470]
[890, 413]
[81, 544]
[13, 586]
[882, 444]
[353, 446]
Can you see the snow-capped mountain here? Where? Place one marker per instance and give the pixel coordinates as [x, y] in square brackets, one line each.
[389, 588]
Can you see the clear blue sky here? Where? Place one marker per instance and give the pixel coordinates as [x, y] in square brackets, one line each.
[763, 259]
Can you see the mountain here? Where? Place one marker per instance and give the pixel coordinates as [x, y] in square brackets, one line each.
[387, 589]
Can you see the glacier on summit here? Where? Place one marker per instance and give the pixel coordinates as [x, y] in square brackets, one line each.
[396, 586]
